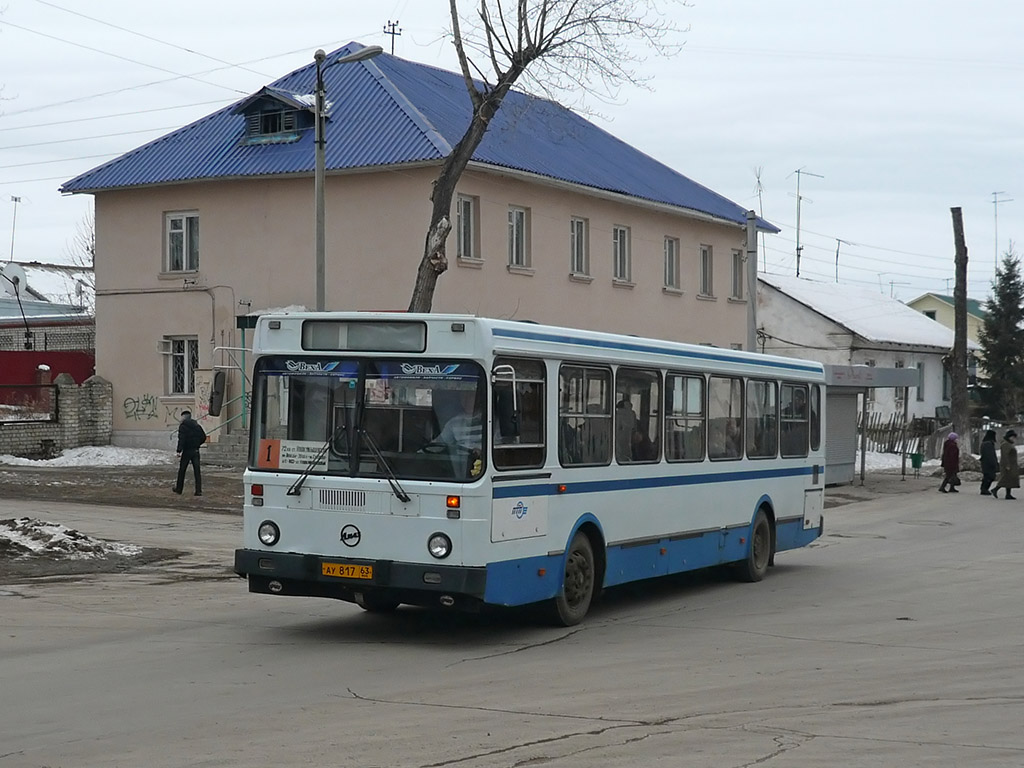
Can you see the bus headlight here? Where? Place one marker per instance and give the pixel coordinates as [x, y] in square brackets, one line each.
[268, 533]
[439, 545]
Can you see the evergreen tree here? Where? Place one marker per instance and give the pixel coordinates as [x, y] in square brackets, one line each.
[1002, 341]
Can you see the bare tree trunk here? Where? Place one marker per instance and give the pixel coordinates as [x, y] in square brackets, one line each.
[961, 413]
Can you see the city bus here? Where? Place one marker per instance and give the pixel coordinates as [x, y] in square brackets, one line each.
[454, 461]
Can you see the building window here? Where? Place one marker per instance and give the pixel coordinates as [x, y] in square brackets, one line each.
[579, 246]
[518, 237]
[182, 360]
[707, 287]
[672, 262]
[466, 228]
[920, 382]
[900, 391]
[182, 245]
[869, 393]
[738, 273]
[930, 314]
[621, 267]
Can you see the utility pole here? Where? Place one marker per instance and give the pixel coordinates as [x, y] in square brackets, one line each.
[958, 374]
[799, 171]
[995, 214]
[14, 223]
[392, 29]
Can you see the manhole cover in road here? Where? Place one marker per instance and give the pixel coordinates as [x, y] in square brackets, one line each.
[924, 522]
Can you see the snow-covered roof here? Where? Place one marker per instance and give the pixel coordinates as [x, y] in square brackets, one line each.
[872, 316]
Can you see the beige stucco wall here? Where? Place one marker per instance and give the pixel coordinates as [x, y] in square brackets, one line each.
[944, 314]
[256, 246]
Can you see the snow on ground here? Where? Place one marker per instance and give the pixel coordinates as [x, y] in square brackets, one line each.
[875, 462]
[97, 456]
[27, 537]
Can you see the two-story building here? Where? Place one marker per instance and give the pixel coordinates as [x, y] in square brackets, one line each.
[555, 220]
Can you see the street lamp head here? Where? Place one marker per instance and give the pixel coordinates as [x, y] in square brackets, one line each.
[368, 52]
[319, 56]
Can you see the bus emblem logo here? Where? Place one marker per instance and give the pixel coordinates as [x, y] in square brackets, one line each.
[519, 510]
[350, 536]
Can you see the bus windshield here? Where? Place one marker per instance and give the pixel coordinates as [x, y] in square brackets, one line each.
[416, 419]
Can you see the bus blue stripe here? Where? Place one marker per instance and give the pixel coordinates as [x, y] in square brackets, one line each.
[599, 486]
[649, 349]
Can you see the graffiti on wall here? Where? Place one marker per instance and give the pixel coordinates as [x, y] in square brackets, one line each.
[141, 408]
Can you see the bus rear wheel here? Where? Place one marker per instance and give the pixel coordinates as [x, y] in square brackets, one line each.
[755, 566]
[578, 583]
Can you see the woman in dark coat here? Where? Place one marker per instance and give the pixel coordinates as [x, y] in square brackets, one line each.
[989, 461]
[1009, 470]
[950, 464]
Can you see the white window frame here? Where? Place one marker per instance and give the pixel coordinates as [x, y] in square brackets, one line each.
[186, 350]
[869, 393]
[707, 271]
[622, 266]
[518, 237]
[579, 246]
[672, 263]
[738, 272]
[183, 226]
[899, 390]
[466, 228]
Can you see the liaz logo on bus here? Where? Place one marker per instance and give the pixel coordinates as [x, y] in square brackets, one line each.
[519, 510]
[301, 366]
[418, 369]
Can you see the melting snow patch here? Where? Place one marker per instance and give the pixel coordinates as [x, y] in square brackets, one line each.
[97, 456]
[24, 537]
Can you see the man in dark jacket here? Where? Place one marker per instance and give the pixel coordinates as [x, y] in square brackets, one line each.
[190, 437]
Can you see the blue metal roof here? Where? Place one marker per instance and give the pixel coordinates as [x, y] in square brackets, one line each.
[388, 111]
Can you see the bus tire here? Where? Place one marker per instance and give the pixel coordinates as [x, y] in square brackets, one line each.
[578, 583]
[759, 555]
[372, 603]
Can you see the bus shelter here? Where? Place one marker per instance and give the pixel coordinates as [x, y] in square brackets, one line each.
[843, 385]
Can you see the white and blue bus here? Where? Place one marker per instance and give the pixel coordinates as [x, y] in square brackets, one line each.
[456, 461]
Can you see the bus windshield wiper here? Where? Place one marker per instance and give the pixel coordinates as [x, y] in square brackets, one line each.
[296, 488]
[396, 486]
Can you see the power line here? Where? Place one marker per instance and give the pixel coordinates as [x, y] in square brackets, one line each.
[148, 37]
[112, 115]
[122, 58]
[88, 138]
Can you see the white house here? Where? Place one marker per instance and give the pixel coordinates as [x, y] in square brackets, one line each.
[839, 325]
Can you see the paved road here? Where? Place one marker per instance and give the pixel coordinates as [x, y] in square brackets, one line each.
[895, 641]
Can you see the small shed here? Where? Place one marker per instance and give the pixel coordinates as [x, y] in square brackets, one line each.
[843, 384]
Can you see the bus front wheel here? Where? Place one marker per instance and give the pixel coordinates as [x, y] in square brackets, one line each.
[578, 583]
[755, 566]
[372, 603]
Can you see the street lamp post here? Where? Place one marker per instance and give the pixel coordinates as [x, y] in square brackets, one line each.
[321, 151]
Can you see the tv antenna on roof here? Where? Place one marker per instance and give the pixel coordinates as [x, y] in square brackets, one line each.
[995, 212]
[799, 171]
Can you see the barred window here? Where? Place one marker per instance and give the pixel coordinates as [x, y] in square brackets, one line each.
[182, 363]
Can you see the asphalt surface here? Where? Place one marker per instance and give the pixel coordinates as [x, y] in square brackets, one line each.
[895, 640]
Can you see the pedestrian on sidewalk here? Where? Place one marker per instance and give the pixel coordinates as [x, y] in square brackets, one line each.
[989, 461]
[950, 464]
[1009, 470]
[190, 437]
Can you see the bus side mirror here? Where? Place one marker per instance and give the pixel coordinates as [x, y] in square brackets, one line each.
[217, 393]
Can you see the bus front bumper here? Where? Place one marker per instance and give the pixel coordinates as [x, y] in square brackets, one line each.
[288, 573]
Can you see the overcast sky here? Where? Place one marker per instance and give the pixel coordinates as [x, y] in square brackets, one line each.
[906, 108]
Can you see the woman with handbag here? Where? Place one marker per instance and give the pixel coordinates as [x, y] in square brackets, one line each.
[1009, 471]
[950, 464]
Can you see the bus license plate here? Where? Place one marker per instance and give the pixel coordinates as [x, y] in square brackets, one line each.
[346, 570]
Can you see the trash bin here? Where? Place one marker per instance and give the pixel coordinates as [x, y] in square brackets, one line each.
[916, 460]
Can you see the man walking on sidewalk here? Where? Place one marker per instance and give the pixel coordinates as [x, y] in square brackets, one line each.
[190, 437]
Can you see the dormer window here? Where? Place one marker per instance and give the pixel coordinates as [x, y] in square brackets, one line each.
[275, 117]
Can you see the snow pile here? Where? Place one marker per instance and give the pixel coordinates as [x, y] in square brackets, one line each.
[875, 462]
[97, 456]
[23, 537]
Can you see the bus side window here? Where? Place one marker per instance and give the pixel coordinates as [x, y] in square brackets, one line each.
[684, 418]
[519, 433]
[725, 417]
[795, 423]
[637, 416]
[584, 416]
